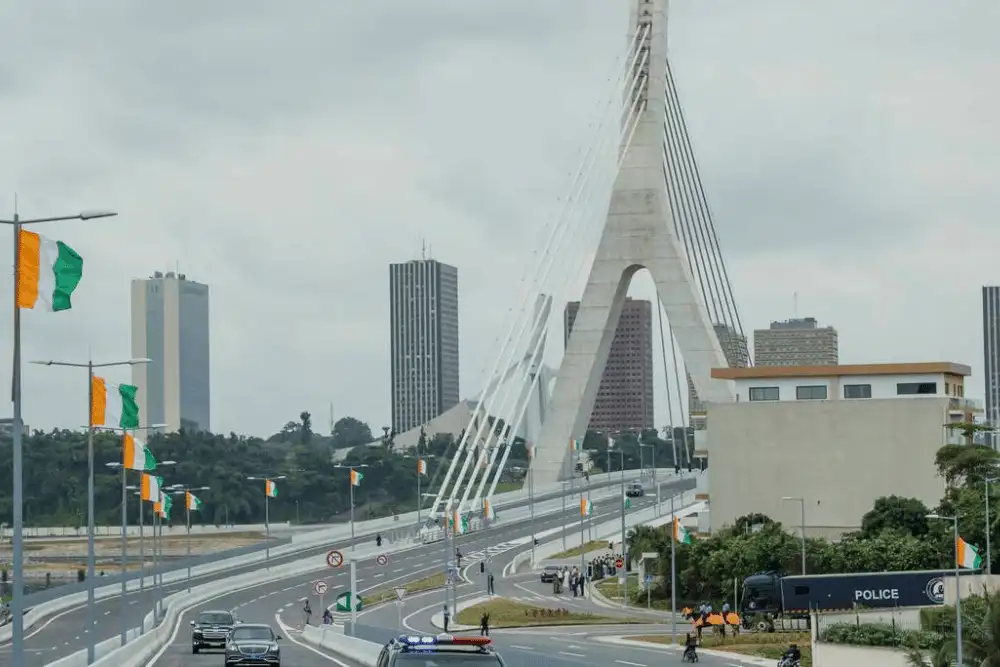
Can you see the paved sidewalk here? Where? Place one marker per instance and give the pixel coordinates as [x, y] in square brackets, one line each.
[667, 648]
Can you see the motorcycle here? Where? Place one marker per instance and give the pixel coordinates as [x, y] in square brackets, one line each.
[788, 662]
[689, 656]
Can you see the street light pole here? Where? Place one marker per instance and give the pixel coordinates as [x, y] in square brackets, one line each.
[267, 512]
[177, 490]
[989, 555]
[17, 437]
[958, 589]
[90, 366]
[802, 523]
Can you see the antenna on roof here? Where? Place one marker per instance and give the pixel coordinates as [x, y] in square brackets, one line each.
[423, 249]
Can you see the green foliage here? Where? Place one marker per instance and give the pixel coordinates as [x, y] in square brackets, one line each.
[966, 464]
[316, 490]
[907, 516]
[881, 634]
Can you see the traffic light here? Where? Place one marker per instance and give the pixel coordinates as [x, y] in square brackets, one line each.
[482, 567]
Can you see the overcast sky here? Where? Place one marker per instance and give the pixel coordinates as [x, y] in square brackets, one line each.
[285, 153]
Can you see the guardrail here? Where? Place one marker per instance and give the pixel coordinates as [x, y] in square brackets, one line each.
[335, 640]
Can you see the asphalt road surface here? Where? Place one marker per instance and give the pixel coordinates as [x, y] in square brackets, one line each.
[65, 634]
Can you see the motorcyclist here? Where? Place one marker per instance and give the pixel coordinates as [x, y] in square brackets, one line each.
[793, 655]
[307, 610]
[690, 645]
[327, 617]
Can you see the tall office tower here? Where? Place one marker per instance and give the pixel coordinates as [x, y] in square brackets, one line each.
[170, 327]
[991, 358]
[625, 395]
[423, 302]
[795, 342]
[734, 346]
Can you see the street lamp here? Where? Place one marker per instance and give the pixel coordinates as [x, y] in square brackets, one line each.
[90, 366]
[958, 590]
[350, 483]
[124, 555]
[180, 489]
[989, 556]
[267, 479]
[802, 503]
[17, 535]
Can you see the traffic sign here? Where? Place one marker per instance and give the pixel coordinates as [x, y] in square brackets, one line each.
[344, 602]
[650, 554]
[649, 579]
[334, 559]
[320, 588]
[619, 563]
[400, 592]
[382, 559]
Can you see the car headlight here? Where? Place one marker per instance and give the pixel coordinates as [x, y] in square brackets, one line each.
[273, 648]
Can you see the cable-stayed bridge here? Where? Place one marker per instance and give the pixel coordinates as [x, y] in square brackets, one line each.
[636, 202]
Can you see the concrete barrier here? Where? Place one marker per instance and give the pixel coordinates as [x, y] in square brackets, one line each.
[101, 532]
[334, 640]
[843, 655]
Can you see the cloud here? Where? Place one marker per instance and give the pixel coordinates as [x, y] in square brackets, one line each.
[285, 154]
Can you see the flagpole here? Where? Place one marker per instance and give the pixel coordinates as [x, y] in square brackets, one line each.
[142, 561]
[419, 497]
[350, 483]
[90, 513]
[673, 571]
[187, 505]
[267, 523]
[124, 602]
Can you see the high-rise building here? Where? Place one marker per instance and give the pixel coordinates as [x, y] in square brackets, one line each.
[734, 346]
[423, 302]
[170, 326]
[991, 358]
[796, 342]
[625, 395]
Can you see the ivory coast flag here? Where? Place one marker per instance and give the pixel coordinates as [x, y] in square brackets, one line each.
[356, 477]
[151, 488]
[193, 502]
[135, 455]
[968, 555]
[680, 532]
[487, 508]
[421, 467]
[47, 272]
[270, 489]
[575, 445]
[114, 404]
[530, 449]
[163, 507]
[586, 507]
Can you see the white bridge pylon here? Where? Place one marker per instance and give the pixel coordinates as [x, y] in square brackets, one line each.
[639, 232]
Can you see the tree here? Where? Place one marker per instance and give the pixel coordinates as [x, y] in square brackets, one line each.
[907, 516]
[966, 464]
[351, 432]
[970, 430]
[305, 428]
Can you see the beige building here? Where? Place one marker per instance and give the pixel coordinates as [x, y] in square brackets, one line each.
[795, 342]
[837, 437]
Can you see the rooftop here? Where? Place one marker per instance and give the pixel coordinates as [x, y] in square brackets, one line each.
[762, 372]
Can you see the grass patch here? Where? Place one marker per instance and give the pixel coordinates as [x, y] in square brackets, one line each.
[609, 587]
[509, 614]
[380, 595]
[762, 645]
[593, 545]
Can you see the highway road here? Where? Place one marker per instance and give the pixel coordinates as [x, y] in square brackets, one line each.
[66, 632]
[280, 604]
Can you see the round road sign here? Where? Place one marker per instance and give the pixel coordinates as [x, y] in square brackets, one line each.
[334, 559]
[320, 588]
[619, 563]
[382, 559]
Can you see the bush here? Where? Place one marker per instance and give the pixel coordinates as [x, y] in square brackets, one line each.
[881, 634]
[942, 619]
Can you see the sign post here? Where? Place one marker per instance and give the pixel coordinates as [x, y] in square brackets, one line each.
[320, 588]
[648, 578]
[354, 598]
[400, 594]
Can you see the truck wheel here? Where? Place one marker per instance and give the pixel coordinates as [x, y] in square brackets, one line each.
[761, 626]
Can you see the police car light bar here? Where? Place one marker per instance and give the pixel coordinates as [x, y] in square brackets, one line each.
[416, 641]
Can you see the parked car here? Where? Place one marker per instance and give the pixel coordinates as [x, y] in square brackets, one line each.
[551, 573]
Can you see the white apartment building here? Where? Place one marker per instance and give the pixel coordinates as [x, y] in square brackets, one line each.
[836, 437]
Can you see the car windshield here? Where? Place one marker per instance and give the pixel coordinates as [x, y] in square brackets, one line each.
[259, 634]
[215, 618]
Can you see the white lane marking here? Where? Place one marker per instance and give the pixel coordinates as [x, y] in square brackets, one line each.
[633, 664]
[572, 655]
[523, 648]
[288, 636]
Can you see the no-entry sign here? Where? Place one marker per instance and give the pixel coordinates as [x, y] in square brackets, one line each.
[334, 559]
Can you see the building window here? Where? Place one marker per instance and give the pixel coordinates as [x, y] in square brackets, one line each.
[911, 388]
[811, 393]
[857, 391]
[764, 394]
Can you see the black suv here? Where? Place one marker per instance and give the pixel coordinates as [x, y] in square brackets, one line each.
[551, 573]
[443, 650]
[253, 644]
[635, 490]
[211, 629]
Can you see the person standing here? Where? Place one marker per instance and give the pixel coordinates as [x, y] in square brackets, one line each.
[447, 616]
[484, 625]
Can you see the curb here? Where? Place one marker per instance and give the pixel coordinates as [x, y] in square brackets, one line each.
[437, 620]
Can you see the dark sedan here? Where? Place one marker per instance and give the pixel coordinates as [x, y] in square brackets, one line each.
[253, 644]
[210, 629]
[551, 573]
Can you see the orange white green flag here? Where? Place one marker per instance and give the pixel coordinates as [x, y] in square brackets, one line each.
[270, 489]
[356, 477]
[47, 272]
[135, 454]
[968, 555]
[586, 507]
[151, 488]
[113, 405]
[192, 502]
[680, 532]
[421, 467]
